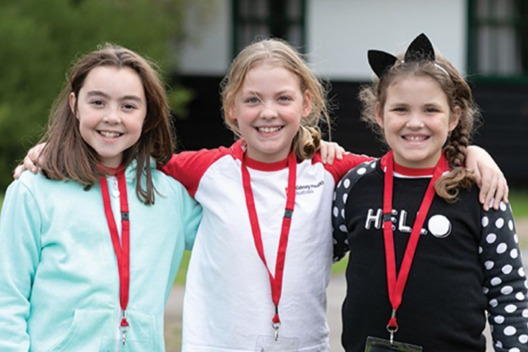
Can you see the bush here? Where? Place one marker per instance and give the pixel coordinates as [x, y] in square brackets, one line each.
[41, 38]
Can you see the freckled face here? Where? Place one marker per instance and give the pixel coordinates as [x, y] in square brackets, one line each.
[416, 121]
[268, 111]
[111, 108]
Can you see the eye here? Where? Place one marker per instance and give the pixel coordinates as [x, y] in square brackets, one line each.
[285, 98]
[128, 106]
[97, 102]
[399, 109]
[251, 100]
[432, 110]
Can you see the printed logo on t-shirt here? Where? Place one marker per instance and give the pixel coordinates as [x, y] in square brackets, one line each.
[438, 225]
[306, 189]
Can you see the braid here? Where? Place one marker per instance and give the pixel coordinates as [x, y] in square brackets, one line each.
[448, 186]
[458, 142]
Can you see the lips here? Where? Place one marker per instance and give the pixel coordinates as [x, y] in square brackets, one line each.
[110, 134]
[415, 138]
[269, 129]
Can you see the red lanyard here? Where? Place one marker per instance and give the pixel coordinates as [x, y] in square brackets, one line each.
[275, 280]
[122, 250]
[396, 283]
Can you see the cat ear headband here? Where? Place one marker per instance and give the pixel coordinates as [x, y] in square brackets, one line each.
[420, 49]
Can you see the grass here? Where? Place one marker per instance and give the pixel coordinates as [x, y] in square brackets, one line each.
[519, 203]
[180, 277]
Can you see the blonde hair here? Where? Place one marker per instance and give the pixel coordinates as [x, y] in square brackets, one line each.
[279, 53]
[458, 94]
[68, 156]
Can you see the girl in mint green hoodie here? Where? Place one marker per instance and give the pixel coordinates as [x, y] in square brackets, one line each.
[90, 247]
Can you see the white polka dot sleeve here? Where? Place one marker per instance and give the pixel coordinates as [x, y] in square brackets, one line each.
[339, 221]
[505, 283]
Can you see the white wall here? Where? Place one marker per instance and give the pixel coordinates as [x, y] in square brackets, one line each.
[341, 32]
[208, 52]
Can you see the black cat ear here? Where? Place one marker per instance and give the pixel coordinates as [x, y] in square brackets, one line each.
[420, 48]
[380, 61]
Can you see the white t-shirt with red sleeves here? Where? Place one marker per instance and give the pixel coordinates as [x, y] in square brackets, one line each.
[227, 303]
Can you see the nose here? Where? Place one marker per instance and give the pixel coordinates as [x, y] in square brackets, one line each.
[415, 121]
[268, 111]
[112, 117]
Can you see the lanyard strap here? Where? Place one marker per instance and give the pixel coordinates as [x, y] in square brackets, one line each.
[396, 282]
[122, 250]
[275, 280]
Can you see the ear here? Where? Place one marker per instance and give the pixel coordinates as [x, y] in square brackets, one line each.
[454, 119]
[72, 101]
[307, 104]
[380, 61]
[230, 114]
[379, 114]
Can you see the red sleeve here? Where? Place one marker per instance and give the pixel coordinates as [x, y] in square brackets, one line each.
[340, 167]
[189, 167]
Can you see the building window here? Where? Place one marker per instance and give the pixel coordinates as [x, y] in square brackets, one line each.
[498, 38]
[268, 18]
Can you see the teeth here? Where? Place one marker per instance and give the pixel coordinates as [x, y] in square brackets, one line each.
[415, 138]
[268, 129]
[110, 134]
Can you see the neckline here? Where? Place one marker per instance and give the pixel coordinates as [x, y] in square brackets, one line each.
[411, 172]
[263, 166]
[403, 171]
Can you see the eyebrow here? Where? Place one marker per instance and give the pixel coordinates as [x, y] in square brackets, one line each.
[93, 93]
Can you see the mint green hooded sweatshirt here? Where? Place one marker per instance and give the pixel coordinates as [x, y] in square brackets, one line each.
[59, 283]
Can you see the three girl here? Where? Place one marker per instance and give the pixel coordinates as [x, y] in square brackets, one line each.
[261, 261]
[426, 262]
[89, 248]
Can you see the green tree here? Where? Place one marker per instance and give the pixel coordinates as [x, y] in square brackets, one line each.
[40, 39]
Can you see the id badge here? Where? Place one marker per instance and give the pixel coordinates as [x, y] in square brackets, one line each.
[375, 344]
[282, 344]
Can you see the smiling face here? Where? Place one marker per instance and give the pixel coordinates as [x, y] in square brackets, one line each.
[416, 120]
[111, 108]
[268, 111]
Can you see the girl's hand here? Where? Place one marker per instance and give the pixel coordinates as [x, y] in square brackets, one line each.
[31, 162]
[331, 151]
[492, 183]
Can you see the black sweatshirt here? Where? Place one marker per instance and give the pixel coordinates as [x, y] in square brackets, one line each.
[467, 263]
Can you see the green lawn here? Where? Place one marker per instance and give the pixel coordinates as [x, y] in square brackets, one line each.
[180, 278]
[519, 203]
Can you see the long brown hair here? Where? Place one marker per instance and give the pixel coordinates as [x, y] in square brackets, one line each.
[68, 156]
[280, 54]
[458, 94]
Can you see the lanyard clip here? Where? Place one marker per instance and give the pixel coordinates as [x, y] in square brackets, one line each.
[276, 328]
[124, 327]
[392, 327]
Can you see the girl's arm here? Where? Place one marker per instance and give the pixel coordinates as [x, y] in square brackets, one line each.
[19, 257]
[492, 183]
[191, 216]
[505, 280]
